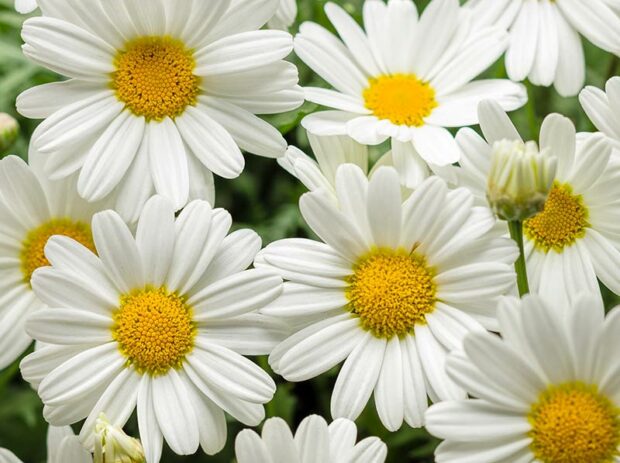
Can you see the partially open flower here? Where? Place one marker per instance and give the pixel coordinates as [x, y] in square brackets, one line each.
[520, 179]
[9, 130]
[112, 445]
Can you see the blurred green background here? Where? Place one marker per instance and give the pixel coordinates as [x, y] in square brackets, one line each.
[263, 198]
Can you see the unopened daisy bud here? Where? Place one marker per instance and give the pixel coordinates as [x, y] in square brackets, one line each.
[9, 130]
[519, 180]
[112, 445]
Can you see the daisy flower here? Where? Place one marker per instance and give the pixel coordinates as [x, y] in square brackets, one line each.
[314, 441]
[545, 45]
[394, 286]
[548, 392]
[603, 108]
[33, 209]
[157, 97]
[25, 6]
[160, 321]
[404, 78]
[573, 240]
[285, 15]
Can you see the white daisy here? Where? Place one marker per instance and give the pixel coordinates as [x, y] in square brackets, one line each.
[32, 208]
[395, 286]
[404, 78]
[160, 321]
[25, 6]
[603, 108]
[547, 393]
[545, 45]
[314, 441]
[157, 97]
[285, 15]
[576, 238]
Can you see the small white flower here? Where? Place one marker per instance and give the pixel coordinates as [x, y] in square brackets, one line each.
[519, 180]
[603, 108]
[545, 45]
[285, 15]
[394, 286]
[32, 208]
[158, 97]
[546, 392]
[112, 445]
[314, 441]
[573, 241]
[160, 321]
[404, 78]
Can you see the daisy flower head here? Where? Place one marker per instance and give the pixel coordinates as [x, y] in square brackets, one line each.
[160, 321]
[572, 241]
[404, 78]
[393, 287]
[314, 441]
[545, 43]
[33, 208]
[603, 109]
[548, 392]
[159, 97]
[285, 15]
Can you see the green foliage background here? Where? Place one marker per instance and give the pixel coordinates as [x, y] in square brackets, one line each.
[264, 198]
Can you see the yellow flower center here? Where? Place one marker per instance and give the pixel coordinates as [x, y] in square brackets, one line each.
[155, 77]
[391, 292]
[402, 99]
[154, 330]
[33, 247]
[563, 220]
[574, 423]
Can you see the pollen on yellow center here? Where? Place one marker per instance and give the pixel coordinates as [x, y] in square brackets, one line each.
[574, 423]
[391, 291]
[563, 220]
[33, 247]
[154, 330]
[402, 99]
[155, 77]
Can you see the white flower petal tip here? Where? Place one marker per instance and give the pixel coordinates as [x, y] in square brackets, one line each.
[314, 440]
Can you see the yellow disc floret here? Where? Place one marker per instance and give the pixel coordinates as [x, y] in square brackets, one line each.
[33, 247]
[574, 423]
[155, 77]
[391, 291]
[402, 99]
[563, 220]
[154, 330]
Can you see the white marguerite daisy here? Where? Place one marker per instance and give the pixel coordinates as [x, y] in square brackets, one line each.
[158, 97]
[25, 6]
[603, 108]
[160, 321]
[404, 78]
[314, 441]
[33, 209]
[285, 15]
[394, 286]
[545, 45]
[548, 392]
[575, 239]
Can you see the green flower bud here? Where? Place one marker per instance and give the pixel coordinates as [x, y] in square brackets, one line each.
[519, 180]
[9, 130]
[112, 445]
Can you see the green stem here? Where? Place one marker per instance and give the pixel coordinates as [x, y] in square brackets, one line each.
[516, 232]
[532, 118]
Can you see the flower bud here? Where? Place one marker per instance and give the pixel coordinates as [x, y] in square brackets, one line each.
[519, 180]
[112, 445]
[9, 130]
